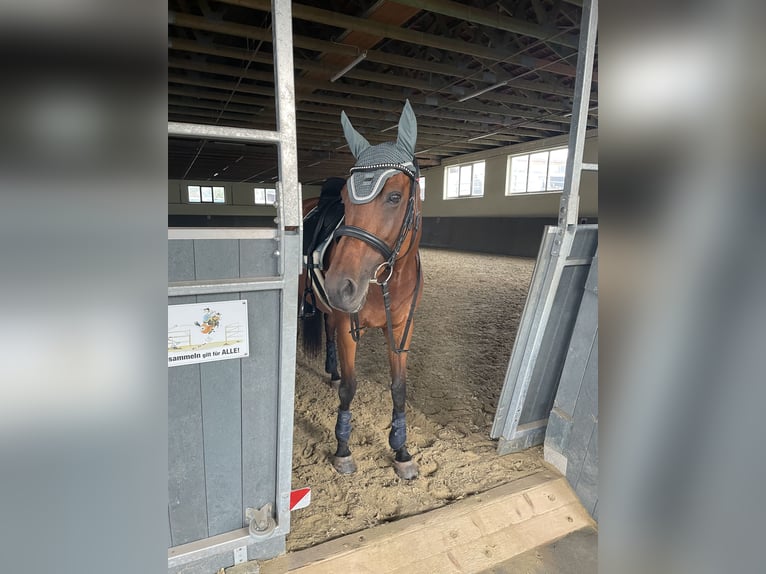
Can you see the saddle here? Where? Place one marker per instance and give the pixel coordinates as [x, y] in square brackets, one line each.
[318, 227]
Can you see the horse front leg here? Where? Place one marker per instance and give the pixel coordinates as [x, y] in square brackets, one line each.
[404, 466]
[331, 355]
[343, 461]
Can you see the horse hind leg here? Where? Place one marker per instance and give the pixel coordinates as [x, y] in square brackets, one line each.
[331, 355]
[342, 461]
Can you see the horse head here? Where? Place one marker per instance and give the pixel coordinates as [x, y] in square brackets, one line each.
[382, 212]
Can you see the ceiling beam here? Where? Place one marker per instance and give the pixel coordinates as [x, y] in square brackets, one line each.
[183, 45]
[346, 88]
[253, 32]
[383, 30]
[493, 20]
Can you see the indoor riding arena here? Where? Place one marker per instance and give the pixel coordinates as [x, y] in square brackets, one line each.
[461, 252]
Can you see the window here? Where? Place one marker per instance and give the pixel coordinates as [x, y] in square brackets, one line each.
[206, 194]
[265, 196]
[465, 180]
[537, 172]
[422, 184]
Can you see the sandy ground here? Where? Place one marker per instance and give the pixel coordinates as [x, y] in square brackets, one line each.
[464, 332]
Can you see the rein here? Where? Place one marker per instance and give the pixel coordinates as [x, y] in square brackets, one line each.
[411, 221]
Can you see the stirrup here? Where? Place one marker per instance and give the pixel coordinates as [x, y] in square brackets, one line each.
[308, 308]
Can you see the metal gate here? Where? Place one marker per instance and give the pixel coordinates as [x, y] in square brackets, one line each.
[557, 287]
[230, 422]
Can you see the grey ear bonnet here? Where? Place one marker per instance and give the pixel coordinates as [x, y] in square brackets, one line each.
[375, 164]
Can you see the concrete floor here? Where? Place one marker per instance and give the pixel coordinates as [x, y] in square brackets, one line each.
[576, 553]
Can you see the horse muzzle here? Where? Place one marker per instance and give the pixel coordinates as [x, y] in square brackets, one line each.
[345, 294]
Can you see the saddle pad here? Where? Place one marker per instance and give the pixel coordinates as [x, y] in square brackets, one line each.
[320, 223]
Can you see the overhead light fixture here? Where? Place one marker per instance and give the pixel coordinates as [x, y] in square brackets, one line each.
[483, 91]
[345, 70]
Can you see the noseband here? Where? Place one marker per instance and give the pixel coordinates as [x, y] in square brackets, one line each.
[390, 255]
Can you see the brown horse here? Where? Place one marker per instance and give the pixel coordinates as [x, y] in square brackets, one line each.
[372, 277]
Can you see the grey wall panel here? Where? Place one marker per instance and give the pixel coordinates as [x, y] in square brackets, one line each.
[571, 441]
[216, 258]
[584, 241]
[501, 235]
[222, 435]
[586, 485]
[186, 464]
[180, 260]
[584, 343]
[554, 346]
[256, 258]
[260, 392]
[583, 427]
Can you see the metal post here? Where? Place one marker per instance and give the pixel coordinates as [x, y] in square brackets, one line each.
[290, 216]
[570, 197]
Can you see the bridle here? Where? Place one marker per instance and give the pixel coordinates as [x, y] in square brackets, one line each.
[385, 270]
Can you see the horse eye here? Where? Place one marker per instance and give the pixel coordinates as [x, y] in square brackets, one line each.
[394, 197]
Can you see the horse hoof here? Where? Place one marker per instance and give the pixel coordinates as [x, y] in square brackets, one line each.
[344, 464]
[406, 470]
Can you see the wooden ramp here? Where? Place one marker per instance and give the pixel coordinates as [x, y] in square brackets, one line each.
[466, 537]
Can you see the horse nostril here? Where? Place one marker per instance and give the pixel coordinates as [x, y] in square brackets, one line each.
[348, 290]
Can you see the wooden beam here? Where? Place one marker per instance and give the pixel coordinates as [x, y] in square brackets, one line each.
[469, 536]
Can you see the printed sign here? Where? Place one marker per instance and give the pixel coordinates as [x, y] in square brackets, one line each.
[203, 332]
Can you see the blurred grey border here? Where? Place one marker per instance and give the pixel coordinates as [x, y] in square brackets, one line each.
[83, 244]
[682, 285]
[83, 257]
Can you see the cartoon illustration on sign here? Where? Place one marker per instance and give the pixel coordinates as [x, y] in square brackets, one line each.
[199, 333]
[210, 320]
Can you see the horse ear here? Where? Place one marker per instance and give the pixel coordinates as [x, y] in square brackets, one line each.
[356, 141]
[408, 129]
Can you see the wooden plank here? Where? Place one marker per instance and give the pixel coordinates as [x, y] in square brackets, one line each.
[356, 541]
[497, 525]
[502, 545]
[222, 435]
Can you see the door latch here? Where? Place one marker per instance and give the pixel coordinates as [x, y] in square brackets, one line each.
[261, 520]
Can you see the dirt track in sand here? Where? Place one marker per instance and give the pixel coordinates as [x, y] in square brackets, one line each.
[463, 335]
